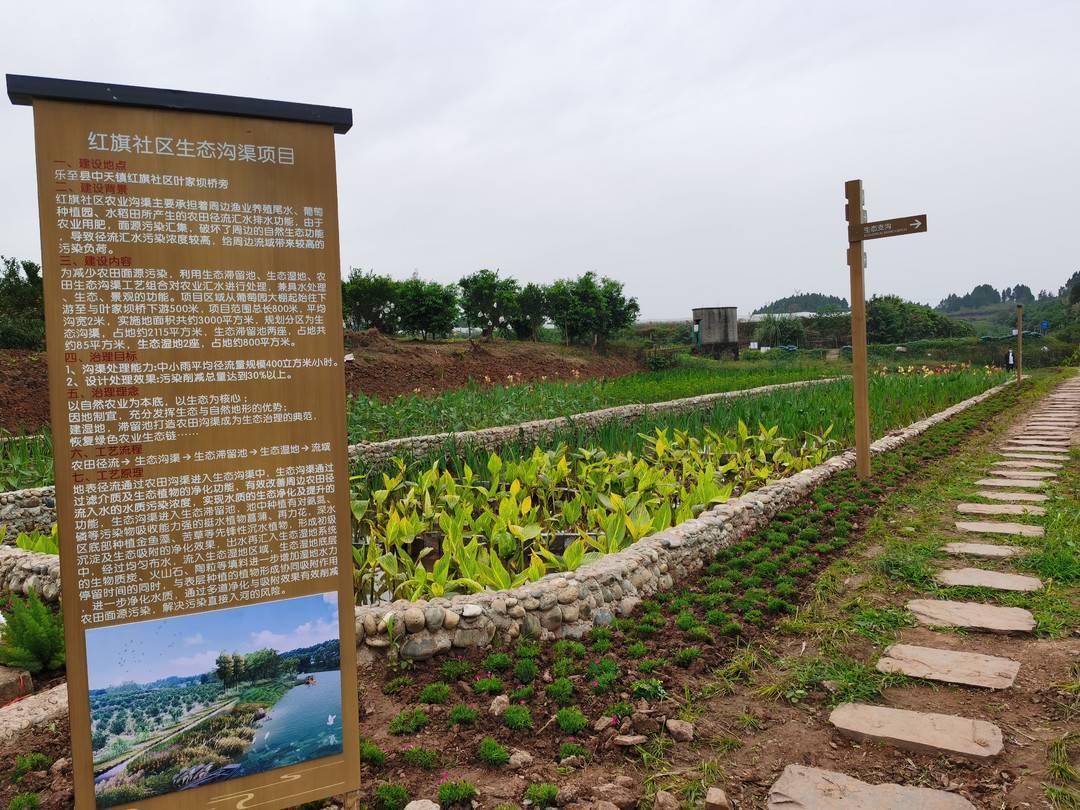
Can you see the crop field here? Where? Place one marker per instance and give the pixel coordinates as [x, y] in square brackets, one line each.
[480, 405]
[500, 519]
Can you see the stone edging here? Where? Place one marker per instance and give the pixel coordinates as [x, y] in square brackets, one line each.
[568, 604]
[24, 571]
[24, 510]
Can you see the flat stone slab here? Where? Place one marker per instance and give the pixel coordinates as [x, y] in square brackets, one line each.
[924, 732]
[988, 550]
[999, 495]
[992, 527]
[1035, 456]
[1022, 483]
[40, 708]
[1037, 447]
[981, 578]
[803, 788]
[998, 509]
[971, 615]
[1027, 475]
[1031, 464]
[949, 666]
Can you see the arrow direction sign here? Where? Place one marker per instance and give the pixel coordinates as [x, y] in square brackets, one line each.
[887, 227]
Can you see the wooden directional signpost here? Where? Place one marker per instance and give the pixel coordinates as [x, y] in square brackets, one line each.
[859, 230]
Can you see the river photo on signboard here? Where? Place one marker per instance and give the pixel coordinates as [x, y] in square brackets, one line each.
[191, 700]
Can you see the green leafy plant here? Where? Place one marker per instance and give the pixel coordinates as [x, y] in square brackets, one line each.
[391, 797]
[542, 794]
[561, 690]
[462, 715]
[423, 758]
[25, 801]
[32, 637]
[526, 670]
[371, 754]
[517, 718]
[570, 720]
[488, 686]
[26, 763]
[435, 693]
[409, 721]
[490, 752]
[452, 794]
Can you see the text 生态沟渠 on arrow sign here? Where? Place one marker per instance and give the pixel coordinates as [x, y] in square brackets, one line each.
[887, 227]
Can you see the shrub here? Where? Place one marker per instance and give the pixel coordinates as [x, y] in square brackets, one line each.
[517, 718]
[685, 621]
[391, 797]
[498, 662]
[488, 686]
[462, 715]
[454, 793]
[490, 752]
[435, 693]
[526, 670]
[621, 709]
[542, 795]
[647, 665]
[455, 669]
[639, 649]
[561, 690]
[32, 637]
[567, 648]
[25, 801]
[408, 722]
[571, 720]
[371, 754]
[422, 758]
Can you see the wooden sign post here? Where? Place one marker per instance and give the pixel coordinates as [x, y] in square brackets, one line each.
[859, 230]
[1019, 342]
[197, 394]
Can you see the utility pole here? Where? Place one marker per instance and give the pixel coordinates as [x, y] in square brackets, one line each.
[1019, 342]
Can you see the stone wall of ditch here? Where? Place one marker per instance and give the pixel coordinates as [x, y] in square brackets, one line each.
[24, 510]
[568, 604]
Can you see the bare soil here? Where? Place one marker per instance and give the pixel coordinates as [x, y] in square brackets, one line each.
[382, 367]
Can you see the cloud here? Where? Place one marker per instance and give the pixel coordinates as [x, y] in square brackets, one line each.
[194, 641]
[305, 635]
[195, 664]
[330, 598]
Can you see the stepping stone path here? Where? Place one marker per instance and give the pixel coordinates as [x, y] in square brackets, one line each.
[971, 616]
[988, 550]
[919, 731]
[1030, 452]
[981, 578]
[999, 509]
[803, 788]
[1028, 497]
[989, 527]
[1008, 482]
[1027, 465]
[950, 666]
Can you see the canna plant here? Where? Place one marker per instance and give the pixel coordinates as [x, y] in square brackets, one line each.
[422, 533]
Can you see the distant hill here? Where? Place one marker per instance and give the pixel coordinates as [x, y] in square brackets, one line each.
[805, 302]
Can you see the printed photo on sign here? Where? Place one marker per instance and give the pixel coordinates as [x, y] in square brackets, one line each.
[192, 700]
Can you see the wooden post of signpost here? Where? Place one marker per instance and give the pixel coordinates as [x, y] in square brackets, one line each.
[1019, 342]
[860, 230]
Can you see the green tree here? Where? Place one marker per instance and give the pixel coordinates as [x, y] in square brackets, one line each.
[369, 301]
[530, 312]
[774, 331]
[22, 305]
[589, 309]
[427, 309]
[487, 301]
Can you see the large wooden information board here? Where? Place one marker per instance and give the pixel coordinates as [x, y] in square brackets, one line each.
[194, 337]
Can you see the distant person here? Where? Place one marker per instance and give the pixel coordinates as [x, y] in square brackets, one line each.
[1010, 364]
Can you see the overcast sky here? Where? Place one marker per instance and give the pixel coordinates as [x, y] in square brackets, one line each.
[695, 151]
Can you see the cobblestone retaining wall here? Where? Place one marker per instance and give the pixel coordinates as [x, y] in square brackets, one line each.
[24, 571]
[24, 510]
[568, 604]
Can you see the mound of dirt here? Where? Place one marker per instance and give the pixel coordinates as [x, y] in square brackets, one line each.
[382, 367]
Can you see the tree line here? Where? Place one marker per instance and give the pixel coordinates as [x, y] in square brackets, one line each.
[233, 669]
[986, 295]
[586, 310]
